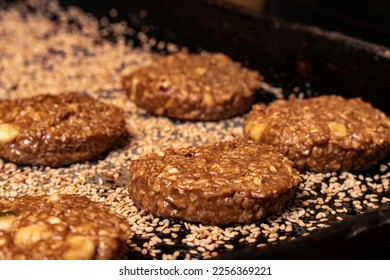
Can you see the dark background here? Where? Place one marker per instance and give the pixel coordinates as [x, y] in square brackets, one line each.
[365, 19]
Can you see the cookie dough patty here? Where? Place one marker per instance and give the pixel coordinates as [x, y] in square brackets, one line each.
[325, 133]
[208, 86]
[56, 130]
[222, 183]
[60, 227]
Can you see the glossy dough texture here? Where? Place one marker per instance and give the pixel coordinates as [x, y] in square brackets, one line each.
[56, 130]
[223, 183]
[325, 133]
[208, 86]
[60, 227]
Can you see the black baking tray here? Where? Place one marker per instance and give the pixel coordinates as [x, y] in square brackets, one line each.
[287, 54]
[290, 56]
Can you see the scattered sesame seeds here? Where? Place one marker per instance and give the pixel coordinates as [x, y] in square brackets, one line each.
[38, 55]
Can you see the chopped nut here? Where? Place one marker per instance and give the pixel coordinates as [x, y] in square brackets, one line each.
[8, 133]
[53, 198]
[6, 222]
[256, 130]
[81, 248]
[208, 99]
[53, 220]
[31, 234]
[338, 129]
[3, 241]
[200, 70]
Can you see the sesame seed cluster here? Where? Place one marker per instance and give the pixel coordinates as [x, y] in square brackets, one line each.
[45, 48]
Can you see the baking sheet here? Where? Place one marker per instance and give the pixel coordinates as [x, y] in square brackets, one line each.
[47, 49]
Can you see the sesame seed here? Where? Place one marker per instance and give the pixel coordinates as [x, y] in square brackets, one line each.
[144, 251]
